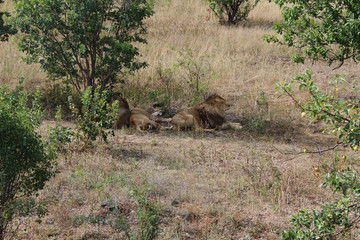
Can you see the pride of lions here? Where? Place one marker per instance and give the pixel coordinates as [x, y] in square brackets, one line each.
[209, 114]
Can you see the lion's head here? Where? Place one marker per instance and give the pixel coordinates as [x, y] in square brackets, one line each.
[212, 111]
[217, 102]
[208, 114]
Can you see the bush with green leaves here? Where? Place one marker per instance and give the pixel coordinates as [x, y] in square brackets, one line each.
[26, 163]
[339, 218]
[84, 42]
[96, 116]
[60, 136]
[326, 30]
[195, 74]
[5, 30]
[147, 214]
[231, 12]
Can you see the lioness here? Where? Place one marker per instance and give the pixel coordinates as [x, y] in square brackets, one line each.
[205, 115]
[123, 114]
[142, 120]
[138, 117]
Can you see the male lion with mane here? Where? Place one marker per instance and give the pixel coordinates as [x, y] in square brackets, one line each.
[138, 117]
[209, 114]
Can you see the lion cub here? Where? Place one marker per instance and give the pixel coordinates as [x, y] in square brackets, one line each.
[209, 114]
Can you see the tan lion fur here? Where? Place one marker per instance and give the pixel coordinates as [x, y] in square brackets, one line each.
[137, 117]
[209, 114]
[141, 119]
[123, 114]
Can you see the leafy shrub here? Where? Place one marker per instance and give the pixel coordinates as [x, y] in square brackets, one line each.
[315, 29]
[60, 136]
[25, 163]
[5, 30]
[232, 11]
[95, 117]
[147, 214]
[86, 42]
[341, 217]
[326, 29]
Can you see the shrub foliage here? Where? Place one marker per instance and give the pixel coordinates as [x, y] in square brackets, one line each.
[25, 162]
[231, 12]
[86, 43]
[326, 30]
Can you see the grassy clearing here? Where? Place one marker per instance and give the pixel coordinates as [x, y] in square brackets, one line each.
[223, 185]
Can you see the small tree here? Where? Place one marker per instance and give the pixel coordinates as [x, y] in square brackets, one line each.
[232, 11]
[339, 218]
[25, 163]
[327, 30]
[85, 42]
[5, 30]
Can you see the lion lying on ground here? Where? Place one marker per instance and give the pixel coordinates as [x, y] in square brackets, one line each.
[124, 113]
[138, 117]
[209, 114]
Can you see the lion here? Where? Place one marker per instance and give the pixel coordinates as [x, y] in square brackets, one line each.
[138, 117]
[143, 121]
[209, 114]
[124, 113]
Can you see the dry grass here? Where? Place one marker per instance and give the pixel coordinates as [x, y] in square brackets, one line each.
[221, 185]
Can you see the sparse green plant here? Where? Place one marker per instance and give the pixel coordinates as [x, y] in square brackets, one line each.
[256, 120]
[26, 163]
[54, 94]
[231, 12]
[264, 177]
[60, 136]
[196, 74]
[188, 80]
[95, 117]
[86, 43]
[147, 213]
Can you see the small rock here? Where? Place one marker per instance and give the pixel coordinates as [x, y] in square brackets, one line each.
[109, 204]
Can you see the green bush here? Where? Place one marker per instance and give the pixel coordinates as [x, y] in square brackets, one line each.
[95, 117]
[25, 163]
[327, 30]
[83, 42]
[341, 217]
[232, 11]
[5, 30]
[147, 214]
